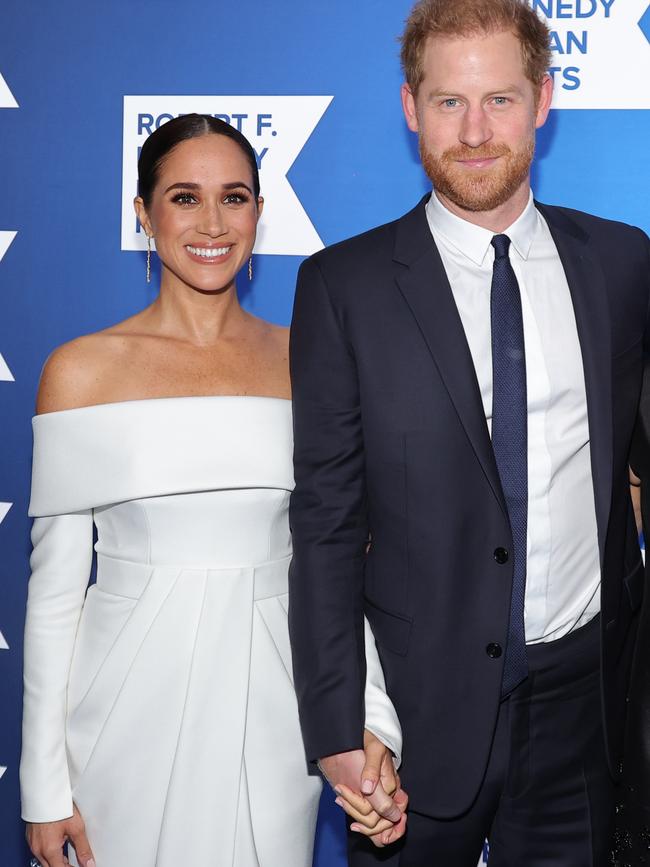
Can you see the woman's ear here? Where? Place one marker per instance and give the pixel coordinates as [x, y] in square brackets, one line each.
[143, 217]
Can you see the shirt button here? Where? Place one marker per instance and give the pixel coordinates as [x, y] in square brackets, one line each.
[494, 650]
[501, 556]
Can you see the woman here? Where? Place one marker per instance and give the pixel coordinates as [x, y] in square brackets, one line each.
[160, 724]
[632, 837]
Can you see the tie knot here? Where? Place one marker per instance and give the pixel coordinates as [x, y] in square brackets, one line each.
[501, 244]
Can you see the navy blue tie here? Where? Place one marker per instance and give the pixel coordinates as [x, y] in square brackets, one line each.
[510, 441]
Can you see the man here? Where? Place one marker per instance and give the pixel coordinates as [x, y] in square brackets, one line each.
[465, 385]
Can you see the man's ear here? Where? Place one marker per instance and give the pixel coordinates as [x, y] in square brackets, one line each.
[408, 105]
[544, 100]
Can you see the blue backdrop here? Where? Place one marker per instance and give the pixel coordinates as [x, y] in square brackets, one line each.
[63, 145]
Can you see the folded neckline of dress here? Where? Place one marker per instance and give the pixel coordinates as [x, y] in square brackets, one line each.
[117, 403]
[110, 453]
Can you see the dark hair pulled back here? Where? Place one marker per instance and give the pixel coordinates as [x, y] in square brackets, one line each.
[179, 129]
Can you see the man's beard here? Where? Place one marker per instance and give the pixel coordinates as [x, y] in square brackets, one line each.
[478, 189]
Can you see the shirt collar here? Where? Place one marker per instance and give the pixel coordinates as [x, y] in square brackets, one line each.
[474, 241]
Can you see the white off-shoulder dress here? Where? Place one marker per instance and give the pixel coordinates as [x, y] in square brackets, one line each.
[160, 699]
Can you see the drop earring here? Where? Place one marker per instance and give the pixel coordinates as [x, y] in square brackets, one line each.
[148, 258]
[250, 268]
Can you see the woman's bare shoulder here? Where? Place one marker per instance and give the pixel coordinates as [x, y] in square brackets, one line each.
[76, 373]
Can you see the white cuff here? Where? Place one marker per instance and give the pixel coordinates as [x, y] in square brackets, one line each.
[381, 717]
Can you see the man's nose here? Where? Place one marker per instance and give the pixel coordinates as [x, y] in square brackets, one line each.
[475, 129]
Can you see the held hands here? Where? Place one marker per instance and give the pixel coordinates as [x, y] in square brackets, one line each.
[364, 781]
[46, 840]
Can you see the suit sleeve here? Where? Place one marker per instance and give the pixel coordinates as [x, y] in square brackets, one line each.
[328, 523]
[60, 563]
[646, 277]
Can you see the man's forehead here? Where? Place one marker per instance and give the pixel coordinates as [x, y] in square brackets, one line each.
[477, 54]
[486, 36]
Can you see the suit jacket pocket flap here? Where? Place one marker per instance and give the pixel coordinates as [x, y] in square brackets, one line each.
[391, 631]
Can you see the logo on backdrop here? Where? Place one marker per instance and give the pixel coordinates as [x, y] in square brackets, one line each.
[601, 52]
[276, 126]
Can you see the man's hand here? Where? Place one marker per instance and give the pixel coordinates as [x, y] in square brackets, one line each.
[46, 840]
[364, 781]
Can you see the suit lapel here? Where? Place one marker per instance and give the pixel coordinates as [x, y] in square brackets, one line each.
[423, 282]
[422, 279]
[588, 293]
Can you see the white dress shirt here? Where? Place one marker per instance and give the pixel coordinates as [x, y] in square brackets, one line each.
[563, 569]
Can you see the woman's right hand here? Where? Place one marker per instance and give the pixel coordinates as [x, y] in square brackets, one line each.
[46, 840]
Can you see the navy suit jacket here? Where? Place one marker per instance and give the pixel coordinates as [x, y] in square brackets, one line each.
[391, 443]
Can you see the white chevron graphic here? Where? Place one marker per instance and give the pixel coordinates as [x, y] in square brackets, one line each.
[6, 239]
[2, 771]
[6, 96]
[5, 374]
[4, 508]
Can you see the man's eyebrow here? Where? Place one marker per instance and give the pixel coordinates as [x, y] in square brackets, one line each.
[450, 94]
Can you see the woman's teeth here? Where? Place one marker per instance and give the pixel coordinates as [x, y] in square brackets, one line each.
[208, 252]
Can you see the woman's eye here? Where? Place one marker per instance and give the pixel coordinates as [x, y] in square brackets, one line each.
[235, 199]
[184, 199]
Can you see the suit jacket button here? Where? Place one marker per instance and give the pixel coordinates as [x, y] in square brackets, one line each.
[501, 555]
[494, 650]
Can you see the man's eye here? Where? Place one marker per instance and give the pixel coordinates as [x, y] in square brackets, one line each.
[451, 103]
